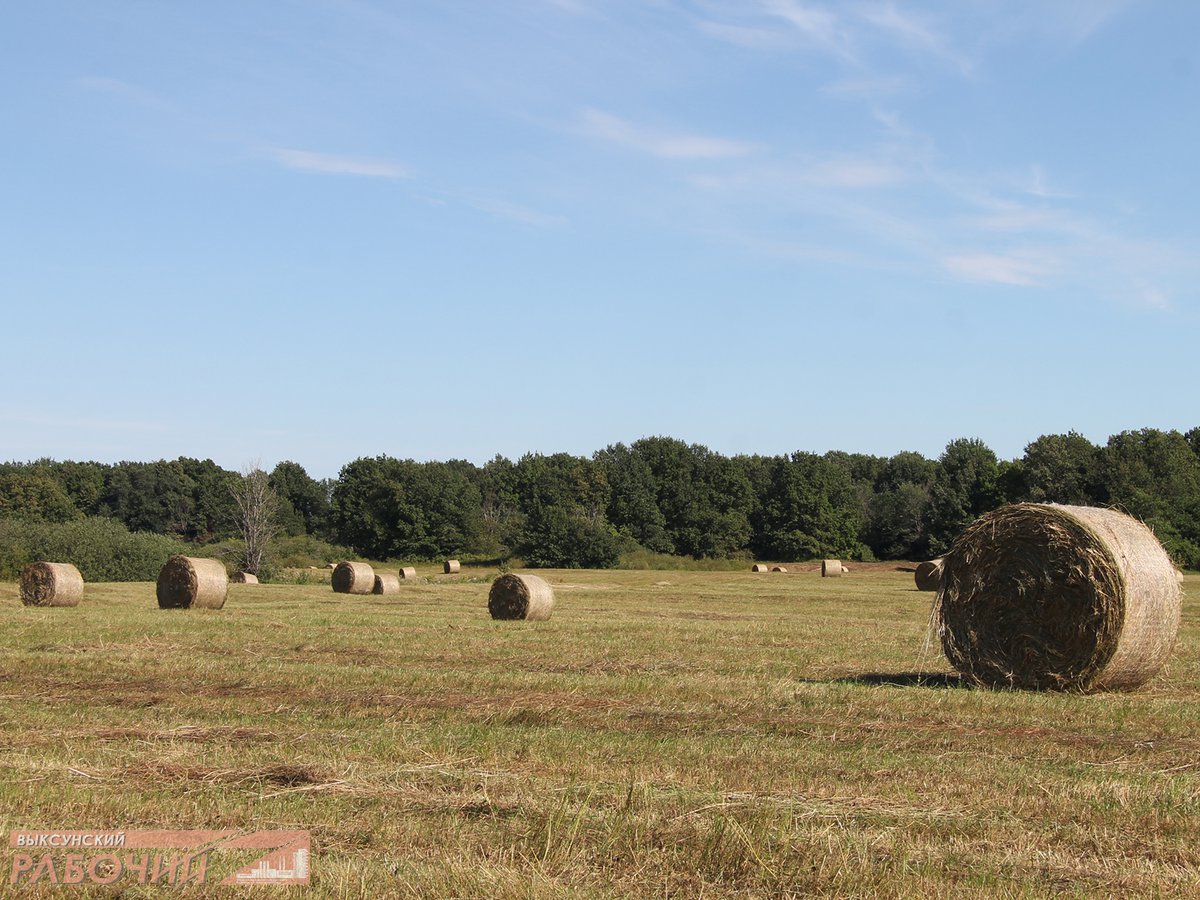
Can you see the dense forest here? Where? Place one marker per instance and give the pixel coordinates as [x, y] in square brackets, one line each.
[657, 494]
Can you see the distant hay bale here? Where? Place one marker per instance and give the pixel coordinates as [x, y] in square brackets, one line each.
[331, 565]
[51, 584]
[759, 567]
[779, 569]
[386, 583]
[1052, 597]
[408, 572]
[845, 570]
[525, 597]
[451, 566]
[244, 578]
[353, 578]
[832, 568]
[188, 582]
[929, 575]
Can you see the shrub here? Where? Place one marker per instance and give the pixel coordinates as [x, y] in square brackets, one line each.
[102, 549]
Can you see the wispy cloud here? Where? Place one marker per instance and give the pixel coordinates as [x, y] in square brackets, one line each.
[665, 145]
[742, 35]
[1021, 270]
[330, 164]
[912, 32]
[515, 212]
[817, 25]
[868, 88]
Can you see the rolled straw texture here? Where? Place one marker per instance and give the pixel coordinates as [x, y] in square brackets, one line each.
[51, 584]
[521, 597]
[779, 569]
[451, 566]
[929, 575]
[244, 578]
[188, 582]
[1053, 597]
[759, 567]
[386, 583]
[408, 572]
[831, 568]
[353, 578]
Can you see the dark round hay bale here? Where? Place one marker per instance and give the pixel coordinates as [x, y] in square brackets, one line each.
[51, 584]
[521, 597]
[832, 568]
[929, 575]
[188, 582]
[1052, 597]
[407, 572]
[386, 583]
[244, 578]
[353, 578]
[452, 567]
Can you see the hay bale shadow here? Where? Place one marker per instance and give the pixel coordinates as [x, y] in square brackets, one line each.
[907, 679]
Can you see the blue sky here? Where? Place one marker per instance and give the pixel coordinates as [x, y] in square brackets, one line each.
[318, 230]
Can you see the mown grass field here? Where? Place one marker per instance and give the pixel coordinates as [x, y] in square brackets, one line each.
[666, 734]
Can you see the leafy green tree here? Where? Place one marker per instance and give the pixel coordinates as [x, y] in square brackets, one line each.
[563, 525]
[965, 487]
[898, 509]
[27, 494]
[810, 510]
[303, 501]
[1060, 468]
[633, 501]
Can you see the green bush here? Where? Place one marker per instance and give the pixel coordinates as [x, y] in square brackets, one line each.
[102, 549]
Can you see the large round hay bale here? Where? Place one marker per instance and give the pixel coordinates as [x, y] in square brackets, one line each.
[452, 566]
[386, 583]
[188, 582]
[779, 569]
[521, 597]
[831, 568]
[51, 584]
[353, 578]
[244, 578]
[407, 572]
[760, 567]
[929, 575]
[1058, 598]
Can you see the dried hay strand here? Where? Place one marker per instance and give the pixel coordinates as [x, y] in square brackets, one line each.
[929, 575]
[832, 568]
[244, 578]
[759, 567]
[525, 597]
[1050, 597]
[386, 583]
[407, 572]
[779, 569]
[51, 584]
[452, 567]
[1179, 576]
[353, 578]
[188, 582]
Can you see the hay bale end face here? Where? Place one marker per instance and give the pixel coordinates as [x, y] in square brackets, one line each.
[353, 578]
[929, 575]
[188, 582]
[525, 597]
[832, 568]
[759, 567]
[408, 572]
[51, 584]
[244, 578]
[779, 569]
[452, 567]
[1049, 597]
[386, 583]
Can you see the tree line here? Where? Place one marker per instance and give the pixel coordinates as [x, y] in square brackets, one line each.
[657, 494]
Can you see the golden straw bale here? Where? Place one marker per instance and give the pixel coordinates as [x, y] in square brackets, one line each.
[386, 583]
[831, 568]
[51, 584]
[244, 578]
[189, 582]
[451, 566]
[353, 578]
[1052, 597]
[929, 575]
[760, 567]
[408, 572]
[525, 597]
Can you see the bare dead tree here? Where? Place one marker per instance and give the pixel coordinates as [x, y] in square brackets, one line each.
[258, 509]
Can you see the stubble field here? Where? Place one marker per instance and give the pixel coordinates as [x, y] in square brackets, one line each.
[666, 734]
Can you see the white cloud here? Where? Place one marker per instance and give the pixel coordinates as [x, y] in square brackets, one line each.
[329, 164]
[741, 35]
[912, 32]
[819, 26]
[868, 88]
[854, 173]
[1020, 270]
[515, 212]
[664, 145]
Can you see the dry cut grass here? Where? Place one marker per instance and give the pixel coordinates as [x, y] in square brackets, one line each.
[665, 734]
